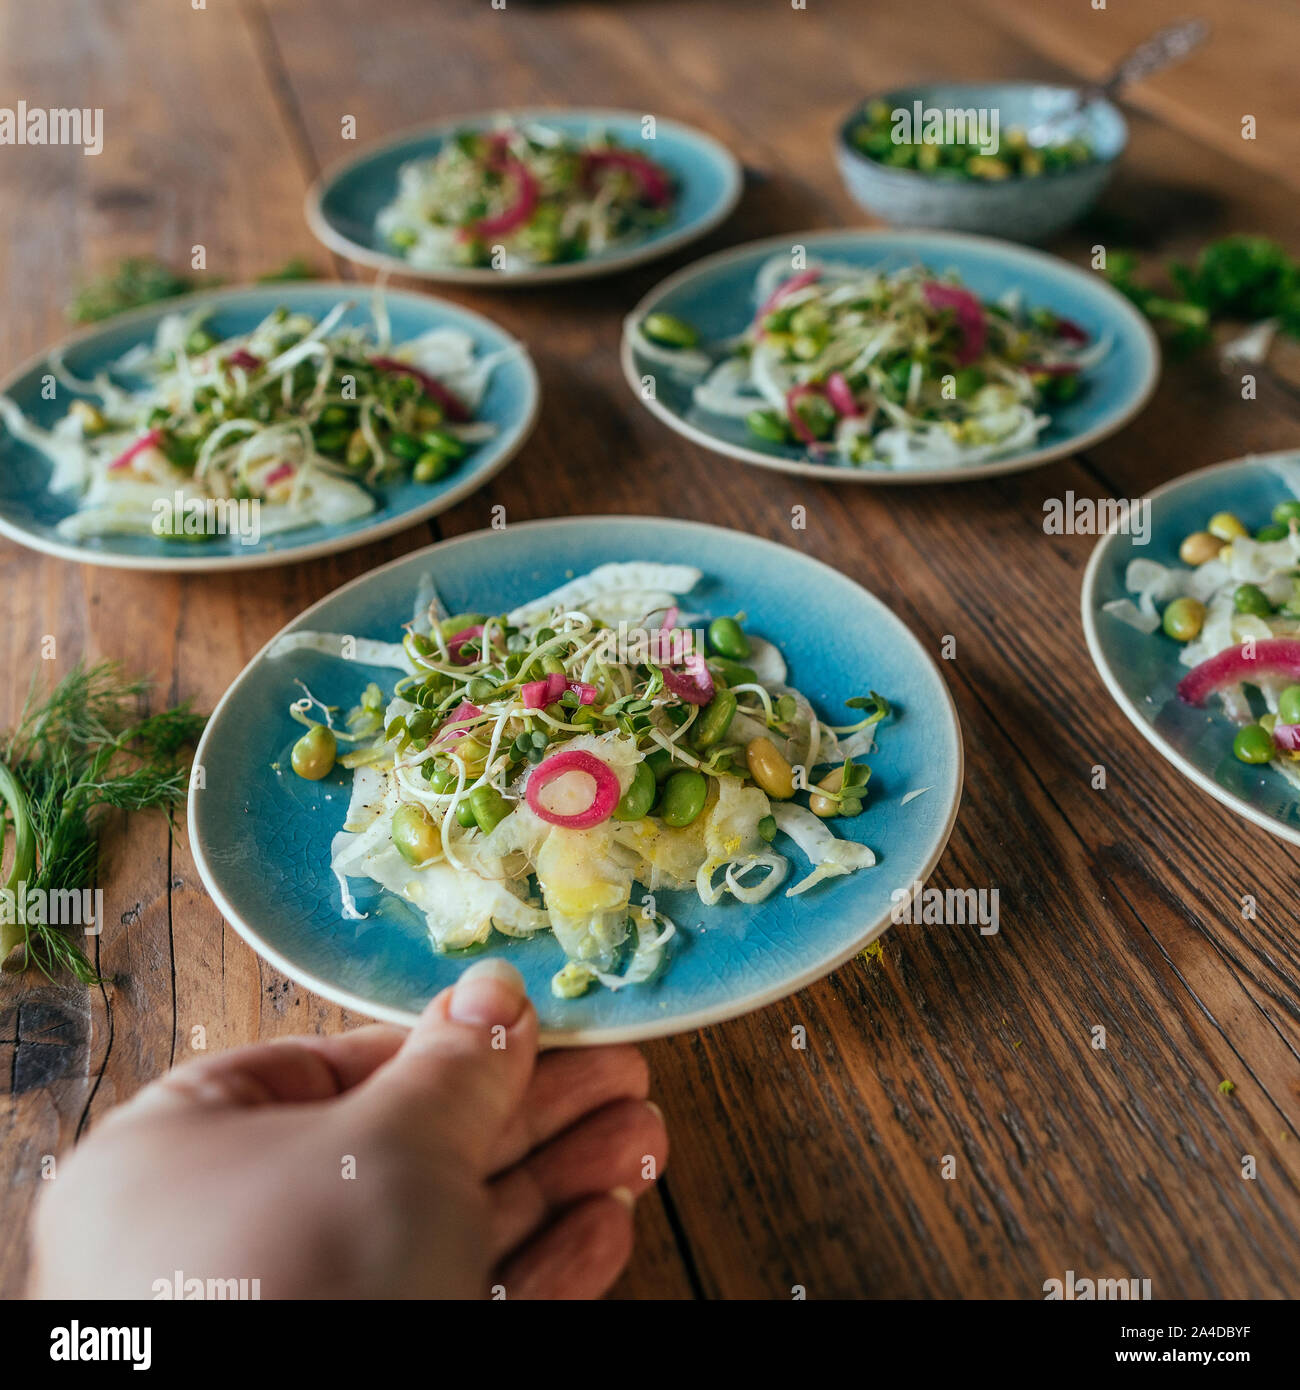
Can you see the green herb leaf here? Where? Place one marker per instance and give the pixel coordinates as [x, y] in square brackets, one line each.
[86, 746]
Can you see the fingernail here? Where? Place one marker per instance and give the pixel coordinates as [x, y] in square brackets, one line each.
[624, 1196]
[489, 993]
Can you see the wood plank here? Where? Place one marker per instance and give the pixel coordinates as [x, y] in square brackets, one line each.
[181, 165]
[821, 1168]
[1245, 68]
[817, 1168]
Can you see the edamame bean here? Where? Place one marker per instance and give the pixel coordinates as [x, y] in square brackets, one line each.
[1288, 705]
[314, 753]
[966, 381]
[331, 441]
[716, 718]
[488, 807]
[1253, 744]
[472, 753]
[465, 814]
[406, 446]
[727, 638]
[732, 671]
[1199, 548]
[684, 795]
[669, 330]
[767, 424]
[1183, 618]
[1250, 598]
[442, 442]
[640, 795]
[660, 762]
[1226, 526]
[415, 835]
[769, 769]
[1287, 511]
[430, 468]
[358, 449]
[441, 777]
[1274, 531]
[90, 417]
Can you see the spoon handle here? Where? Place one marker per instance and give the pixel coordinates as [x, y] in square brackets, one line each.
[1164, 48]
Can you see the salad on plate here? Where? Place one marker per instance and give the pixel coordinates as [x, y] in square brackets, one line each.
[526, 193]
[876, 368]
[529, 768]
[307, 417]
[1234, 606]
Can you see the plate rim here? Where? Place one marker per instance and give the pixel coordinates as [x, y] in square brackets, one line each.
[266, 559]
[1089, 610]
[636, 254]
[576, 1037]
[837, 472]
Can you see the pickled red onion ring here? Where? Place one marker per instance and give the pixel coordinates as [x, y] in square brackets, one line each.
[604, 800]
[692, 683]
[434, 389]
[969, 313]
[1276, 656]
[146, 441]
[463, 711]
[458, 640]
[784, 290]
[840, 395]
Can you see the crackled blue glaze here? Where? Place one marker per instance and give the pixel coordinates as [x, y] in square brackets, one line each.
[262, 836]
[345, 205]
[30, 512]
[1023, 209]
[1142, 672]
[717, 297]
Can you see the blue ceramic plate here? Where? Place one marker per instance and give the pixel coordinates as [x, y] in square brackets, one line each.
[344, 203]
[716, 295]
[261, 839]
[1142, 672]
[29, 512]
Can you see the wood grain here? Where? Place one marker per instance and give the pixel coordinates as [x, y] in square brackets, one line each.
[818, 1166]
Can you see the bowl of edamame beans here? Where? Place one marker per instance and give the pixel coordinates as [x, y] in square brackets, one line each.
[979, 157]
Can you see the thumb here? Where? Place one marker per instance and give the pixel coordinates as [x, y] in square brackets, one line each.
[465, 1065]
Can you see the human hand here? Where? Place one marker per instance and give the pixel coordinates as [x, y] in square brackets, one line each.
[379, 1163]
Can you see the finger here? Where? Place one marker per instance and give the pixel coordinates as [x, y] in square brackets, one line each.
[566, 1086]
[286, 1070]
[625, 1146]
[464, 1068]
[580, 1256]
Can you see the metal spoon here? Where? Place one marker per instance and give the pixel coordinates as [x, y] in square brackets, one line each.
[1164, 48]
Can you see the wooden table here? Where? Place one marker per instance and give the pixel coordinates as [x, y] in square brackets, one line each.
[1119, 907]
